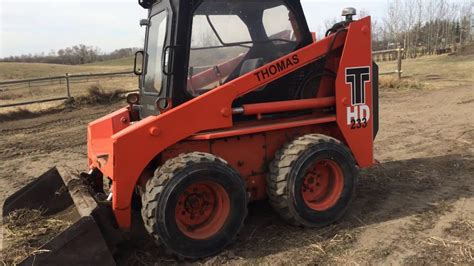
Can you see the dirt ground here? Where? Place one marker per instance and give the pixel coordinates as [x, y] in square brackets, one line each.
[415, 207]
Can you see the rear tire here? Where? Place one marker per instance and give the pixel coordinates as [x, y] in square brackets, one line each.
[312, 181]
[195, 204]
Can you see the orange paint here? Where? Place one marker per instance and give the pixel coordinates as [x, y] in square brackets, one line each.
[322, 185]
[202, 210]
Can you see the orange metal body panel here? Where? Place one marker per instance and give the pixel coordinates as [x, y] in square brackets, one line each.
[253, 128]
[129, 148]
[249, 154]
[357, 53]
[99, 134]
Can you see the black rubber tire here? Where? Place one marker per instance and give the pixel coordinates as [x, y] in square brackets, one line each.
[161, 196]
[287, 171]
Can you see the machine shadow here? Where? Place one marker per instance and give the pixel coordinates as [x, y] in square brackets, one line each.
[388, 191]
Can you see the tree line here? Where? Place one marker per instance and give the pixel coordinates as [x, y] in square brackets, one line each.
[421, 26]
[75, 55]
[424, 26]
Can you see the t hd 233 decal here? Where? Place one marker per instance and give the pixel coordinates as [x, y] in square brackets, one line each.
[358, 114]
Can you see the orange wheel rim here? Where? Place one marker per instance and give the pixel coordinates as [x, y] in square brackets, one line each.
[202, 209]
[322, 185]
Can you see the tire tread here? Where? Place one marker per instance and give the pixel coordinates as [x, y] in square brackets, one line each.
[280, 170]
[162, 175]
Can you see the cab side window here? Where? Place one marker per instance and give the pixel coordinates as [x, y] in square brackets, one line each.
[232, 38]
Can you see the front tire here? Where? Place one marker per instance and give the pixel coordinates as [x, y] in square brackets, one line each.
[312, 181]
[195, 204]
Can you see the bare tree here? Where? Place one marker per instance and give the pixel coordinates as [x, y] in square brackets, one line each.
[393, 23]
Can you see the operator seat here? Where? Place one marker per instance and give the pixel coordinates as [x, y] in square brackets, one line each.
[250, 65]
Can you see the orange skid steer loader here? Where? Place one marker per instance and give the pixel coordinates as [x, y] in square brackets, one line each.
[238, 102]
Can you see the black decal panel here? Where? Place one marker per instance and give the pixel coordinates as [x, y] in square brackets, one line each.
[357, 78]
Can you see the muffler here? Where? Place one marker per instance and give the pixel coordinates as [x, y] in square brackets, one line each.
[93, 232]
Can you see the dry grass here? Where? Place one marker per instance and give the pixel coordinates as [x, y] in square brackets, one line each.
[26, 231]
[10, 71]
[455, 247]
[333, 250]
[10, 96]
[126, 62]
[18, 114]
[466, 50]
[461, 228]
[449, 252]
[96, 95]
[390, 82]
[434, 72]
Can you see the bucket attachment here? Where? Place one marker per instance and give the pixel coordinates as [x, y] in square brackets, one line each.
[92, 232]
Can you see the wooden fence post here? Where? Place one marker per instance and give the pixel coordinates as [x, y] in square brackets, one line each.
[68, 89]
[399, 65]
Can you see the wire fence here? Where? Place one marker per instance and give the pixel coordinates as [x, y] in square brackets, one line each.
[390, 55]
[66, 81]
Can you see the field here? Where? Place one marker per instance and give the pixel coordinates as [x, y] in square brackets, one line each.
[40, 90]
[11, 71]
[415, 207]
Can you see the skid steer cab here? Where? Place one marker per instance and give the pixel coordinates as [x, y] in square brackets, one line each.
[238, 102]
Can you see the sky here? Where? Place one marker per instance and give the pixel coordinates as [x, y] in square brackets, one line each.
[35, 26]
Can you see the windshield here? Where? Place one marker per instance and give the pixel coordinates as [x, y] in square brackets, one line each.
[210, 62]
[232, 38]
[154, 51]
